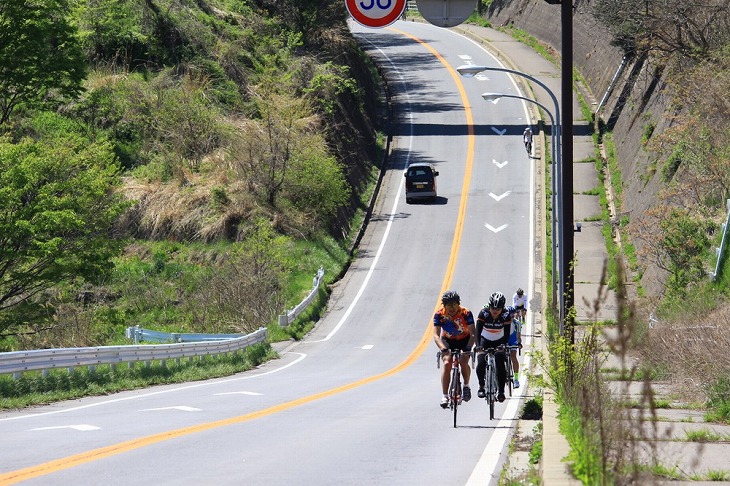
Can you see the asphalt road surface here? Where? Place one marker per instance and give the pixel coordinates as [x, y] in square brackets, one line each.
[357, 402]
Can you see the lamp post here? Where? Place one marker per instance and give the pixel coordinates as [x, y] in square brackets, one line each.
[566, 247]
[494, 98]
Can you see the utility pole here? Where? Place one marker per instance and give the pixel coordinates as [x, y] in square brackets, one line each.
[566, 220]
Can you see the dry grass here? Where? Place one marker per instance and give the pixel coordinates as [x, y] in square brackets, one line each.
[694, 353]
[169, 211]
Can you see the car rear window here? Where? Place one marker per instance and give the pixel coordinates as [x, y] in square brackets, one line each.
[420, 174]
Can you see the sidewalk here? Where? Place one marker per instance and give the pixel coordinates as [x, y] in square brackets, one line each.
[589, 244]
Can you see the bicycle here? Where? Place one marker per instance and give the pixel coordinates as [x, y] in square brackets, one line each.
[510, 369]
[491, 384]
[527, 139]
[455, 382]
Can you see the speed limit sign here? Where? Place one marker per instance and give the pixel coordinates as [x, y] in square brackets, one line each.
[375, 13]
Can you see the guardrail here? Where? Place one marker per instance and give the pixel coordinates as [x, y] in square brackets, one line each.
[288, 318]
[138, 334]
[721, 250]
[187, 345]
[44, 360]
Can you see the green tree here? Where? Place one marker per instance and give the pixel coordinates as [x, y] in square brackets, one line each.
[246, 290]
[57, 207]
[40, 57]
[316, 184]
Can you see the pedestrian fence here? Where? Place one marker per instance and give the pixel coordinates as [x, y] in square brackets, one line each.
[721, 250]
[289, 316]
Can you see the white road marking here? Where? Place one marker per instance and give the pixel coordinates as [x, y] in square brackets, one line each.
[499, 198]
[498, 164]
[182, 408]
[493, 229]
[393, 212]
[498, 131]
[80, 427]
[167, 390]
[368, 346]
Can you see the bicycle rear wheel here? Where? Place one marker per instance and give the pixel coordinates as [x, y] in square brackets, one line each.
[510, 373]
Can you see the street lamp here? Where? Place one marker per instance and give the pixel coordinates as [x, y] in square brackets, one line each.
[566, 250]
[494, 98]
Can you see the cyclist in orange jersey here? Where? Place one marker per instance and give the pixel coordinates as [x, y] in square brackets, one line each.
[453, 328]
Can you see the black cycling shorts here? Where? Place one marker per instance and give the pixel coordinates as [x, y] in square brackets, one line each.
[462, 344]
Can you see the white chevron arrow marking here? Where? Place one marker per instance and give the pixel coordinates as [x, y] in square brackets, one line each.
[498, 131]
[500, 165]
[499, 198]
[80, 427]
[493, 229]
[180, 407]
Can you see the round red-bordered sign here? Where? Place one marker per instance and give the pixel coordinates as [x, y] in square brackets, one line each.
[375, 13]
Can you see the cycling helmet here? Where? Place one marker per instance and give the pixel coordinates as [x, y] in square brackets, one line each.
[450, 297]
[520, 292]
[497, 300]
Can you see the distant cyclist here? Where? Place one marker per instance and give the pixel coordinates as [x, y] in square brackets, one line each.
[527, 139]
[453, 328]
[515, 343]
[519, 302]
[493, 330]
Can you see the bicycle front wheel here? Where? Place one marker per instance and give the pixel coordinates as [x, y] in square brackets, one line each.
[455, 391]
[491, 390]
[457, 398]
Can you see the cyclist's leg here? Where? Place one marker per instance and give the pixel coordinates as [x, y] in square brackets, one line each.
[501, 372]
[481, 368]
[445, 372]
[513, 352]
[465, 368]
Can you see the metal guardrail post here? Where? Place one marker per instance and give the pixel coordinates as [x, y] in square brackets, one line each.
[289, 316]
[719, 251]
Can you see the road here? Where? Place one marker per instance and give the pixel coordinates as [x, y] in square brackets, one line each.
[356, 402]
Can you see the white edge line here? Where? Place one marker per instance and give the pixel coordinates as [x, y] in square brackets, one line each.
[390, 219]
[484, 471]
[169, 390]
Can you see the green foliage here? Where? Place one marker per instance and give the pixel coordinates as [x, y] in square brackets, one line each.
[647, 133]
[115, 31]
[316, 184]
[670, 167]
[536, 452]
[58, 209]
[685, 241]
[328, 83]
[40, 57]
[719, 400]
[174, 87]
[532, 409]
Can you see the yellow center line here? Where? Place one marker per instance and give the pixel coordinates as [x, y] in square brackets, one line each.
[56, 465]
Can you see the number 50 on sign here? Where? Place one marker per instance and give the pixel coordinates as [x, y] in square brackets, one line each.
[375, 13]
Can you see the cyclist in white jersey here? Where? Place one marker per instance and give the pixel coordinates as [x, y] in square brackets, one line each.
[519, 302]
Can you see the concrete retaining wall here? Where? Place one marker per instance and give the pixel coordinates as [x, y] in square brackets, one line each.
[638, 99]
